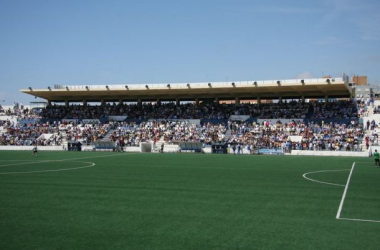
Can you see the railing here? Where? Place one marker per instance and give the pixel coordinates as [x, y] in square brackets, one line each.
[203, 84]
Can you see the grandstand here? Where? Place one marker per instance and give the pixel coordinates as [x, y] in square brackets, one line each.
[333, 87]
[260, 116]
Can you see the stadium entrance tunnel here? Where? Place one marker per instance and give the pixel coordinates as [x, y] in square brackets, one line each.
[219, 148]
[74, 146]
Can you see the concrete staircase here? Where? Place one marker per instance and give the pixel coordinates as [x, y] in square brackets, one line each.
[369, 117]
[156, 148]
[107, 136]
[228, 133]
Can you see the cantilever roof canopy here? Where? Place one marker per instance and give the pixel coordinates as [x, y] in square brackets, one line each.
[273, 89]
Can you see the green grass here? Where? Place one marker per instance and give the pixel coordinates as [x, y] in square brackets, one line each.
[185, 201]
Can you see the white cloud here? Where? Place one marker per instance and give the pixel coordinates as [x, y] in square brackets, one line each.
[305, 75]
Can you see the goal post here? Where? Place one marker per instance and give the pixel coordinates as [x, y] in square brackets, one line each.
[145, 147]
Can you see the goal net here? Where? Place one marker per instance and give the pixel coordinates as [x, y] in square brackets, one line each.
[145, 147]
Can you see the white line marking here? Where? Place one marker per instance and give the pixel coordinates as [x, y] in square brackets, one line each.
[345, 192]
[376, 221]
[67, 159]
[96, 157]
[14, 160]
[328, 183]
[53, 170]
[25, 163]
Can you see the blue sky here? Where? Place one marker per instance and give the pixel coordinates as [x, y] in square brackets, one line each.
[47, 42]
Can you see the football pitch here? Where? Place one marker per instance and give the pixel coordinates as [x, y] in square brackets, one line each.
[88, 200]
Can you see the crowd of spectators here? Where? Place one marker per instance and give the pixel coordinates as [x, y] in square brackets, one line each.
[50, 134]
[132, 111]
[300, 136]
[283, 110]
[288, 136]
[335, 109]
[164, 126]
[170, 131]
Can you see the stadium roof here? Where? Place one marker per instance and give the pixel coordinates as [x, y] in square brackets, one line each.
[273, 89]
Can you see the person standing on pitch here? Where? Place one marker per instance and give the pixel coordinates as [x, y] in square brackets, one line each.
[35, 152]
[377, 161]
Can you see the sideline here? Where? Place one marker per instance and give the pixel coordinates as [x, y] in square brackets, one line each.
[343, 198]
[345, 192]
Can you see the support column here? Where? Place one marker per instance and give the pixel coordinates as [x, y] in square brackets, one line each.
[84, 102]
[102, 102]
[258, 100]
[49, 103]
[280, 99]
[197, 101]
[237, 100]
[303, 99]
[326, 98]
[177, 102]
[139, 102]
[217, 100]
[66, 103]
[120, 102]
[158, 101]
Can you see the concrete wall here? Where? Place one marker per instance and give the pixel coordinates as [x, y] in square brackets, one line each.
[30, 148]
[174, 149]
[330, 153]
[372, 149]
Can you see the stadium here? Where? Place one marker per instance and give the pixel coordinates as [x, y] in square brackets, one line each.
[272, 116]
[219, 165]
[189, 125]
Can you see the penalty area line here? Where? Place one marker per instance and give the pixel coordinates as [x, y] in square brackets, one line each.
[345, 192]
[375, 221]
[323, 182]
